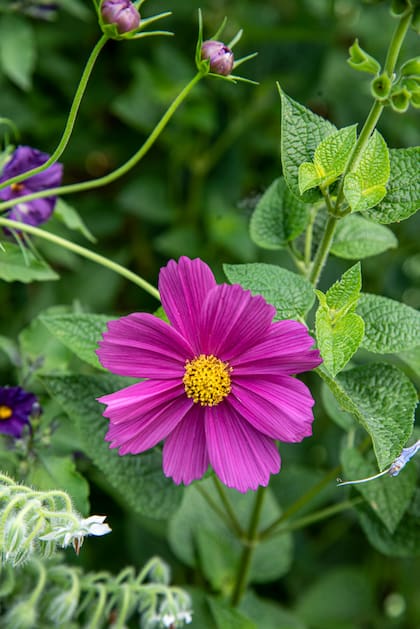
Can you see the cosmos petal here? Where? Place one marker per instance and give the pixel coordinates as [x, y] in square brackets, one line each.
[185, 455]
[233, 320]
[141, 345]
[183, 287]
[242, 457]
[280, 407]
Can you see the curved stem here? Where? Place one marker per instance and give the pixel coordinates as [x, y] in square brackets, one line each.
[81, 88]
[250, 542]
[85, 253]
[118, 172]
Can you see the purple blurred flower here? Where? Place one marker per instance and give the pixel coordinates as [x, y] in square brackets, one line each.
[36, 211]
[16, 407]
[122, 13]
[220, 56]
[220, 389]
[39, 9]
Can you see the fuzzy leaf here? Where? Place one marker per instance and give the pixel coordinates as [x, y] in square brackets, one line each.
[403, 190]
[78, 332]
[67, 215]
[278, 217]
[14, 267]
[388, 497]
[357, 237]
[289, 293]
[137, 479]
[301, 133]
[390, 326]
[365, 186]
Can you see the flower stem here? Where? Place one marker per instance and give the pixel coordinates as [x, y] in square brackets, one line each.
[122, 170]
[81, 88]
[85, 253]
[250, 543]
[228, 507]
[323, 250]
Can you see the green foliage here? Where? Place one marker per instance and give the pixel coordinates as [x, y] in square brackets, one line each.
[17, 50]
[289, 293]
[360, 60]
[364, 187]
[278, 217]
[339, 330]
[357, 238]
[137, 479]
[17, 265]
[66, 214]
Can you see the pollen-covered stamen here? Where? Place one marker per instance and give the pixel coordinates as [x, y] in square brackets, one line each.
[16, 187]
[5, 412]
[207, 380]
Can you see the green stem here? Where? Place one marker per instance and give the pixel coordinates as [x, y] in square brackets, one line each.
[213, 505]
[122, 170]
[81, 88]
[228, 507]
[85, 253]
[319, 515]
[323, 250]
[250, 544]
[397, 42]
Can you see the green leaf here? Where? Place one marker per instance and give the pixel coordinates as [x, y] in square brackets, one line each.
[383, 400]
[80, 333]
[17, 50]
[388, 497]
[342, 418]
[267, 614]
[390, 326]
[67, 215]
[365, 186]
[330, 159]
[403, 190]
[58, 472]
[291, 294]
[40, 350]
[278, 217]
[339, 330]
[18, 267]
[301, 133]
[356, 238]
[226, 616]
[195, 522]
[136, 479]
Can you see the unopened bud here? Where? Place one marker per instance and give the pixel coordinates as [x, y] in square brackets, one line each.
[220, 57]
[122, 13]
[381, 86]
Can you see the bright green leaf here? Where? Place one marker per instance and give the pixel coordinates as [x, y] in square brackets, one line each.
[71, 219]
[403, 190]
[42, 351]
[301, 133]
[364, 187]
[338, 341]
[390, 326]
[278, 217]
[343, 295]
[357, 237]
[308, 177]
[332, 154]
[137, 479]
[291, 294]
[389, 497]
[80, 333]
[17, 50]
[18, 267]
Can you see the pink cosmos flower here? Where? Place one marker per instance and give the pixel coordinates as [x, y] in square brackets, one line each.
[219, 386]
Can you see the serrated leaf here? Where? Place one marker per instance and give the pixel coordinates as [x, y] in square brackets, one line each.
[332, 154]
[17, 50]
[403, 190]
[72, 219]
[308, 177]
[389, 497]
[357, 237]
[137, 479]
[15, 267]
[278, 217]
[390, 326]
[339, 340]
[301, 133]
[364, 187]
[291, 294]
[80, 333]
[195, 518]
[342, 296]
[383, 400]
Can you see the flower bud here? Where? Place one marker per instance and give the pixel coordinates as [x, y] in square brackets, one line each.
[381, 86]
[122, 13]
[400, 100]
[220, 57]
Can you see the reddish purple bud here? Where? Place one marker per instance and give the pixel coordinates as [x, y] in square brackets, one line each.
[220, 57]
[122, 13]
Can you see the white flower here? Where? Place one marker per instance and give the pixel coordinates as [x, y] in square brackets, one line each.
[74, 532]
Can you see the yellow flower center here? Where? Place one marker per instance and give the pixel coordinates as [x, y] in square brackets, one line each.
[207, 380]
[5, 412]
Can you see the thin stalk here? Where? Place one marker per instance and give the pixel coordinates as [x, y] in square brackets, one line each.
[319, 515]
[228, 507]
[81, 88]
[85, 253]
[323, 250]
[250, 544]
[213, 505]
[122, 170]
